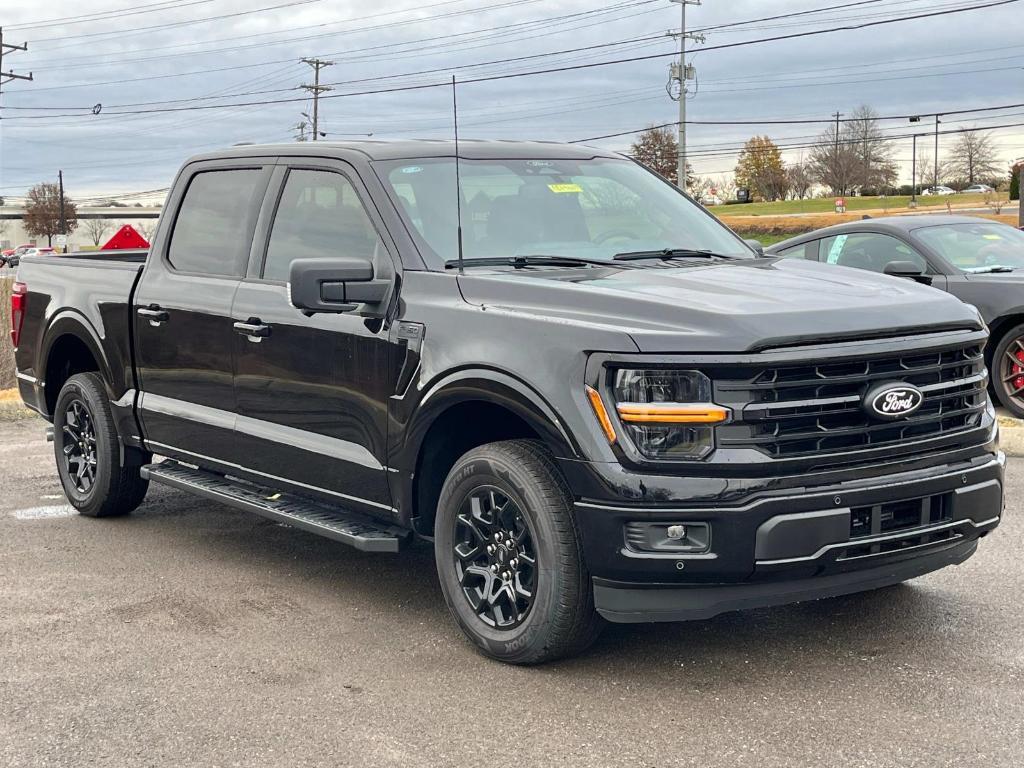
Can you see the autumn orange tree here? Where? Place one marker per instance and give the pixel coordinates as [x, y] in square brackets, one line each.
[760, 168]
[42, 212]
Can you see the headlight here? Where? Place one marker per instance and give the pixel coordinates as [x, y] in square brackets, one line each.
[666, 414]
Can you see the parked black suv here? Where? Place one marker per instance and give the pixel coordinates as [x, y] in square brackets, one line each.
[607, 407]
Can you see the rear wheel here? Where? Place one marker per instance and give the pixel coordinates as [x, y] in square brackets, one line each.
[1008, 371]
[509, 557]
[98, 477]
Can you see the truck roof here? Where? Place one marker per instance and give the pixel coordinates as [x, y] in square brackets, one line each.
[398, 149]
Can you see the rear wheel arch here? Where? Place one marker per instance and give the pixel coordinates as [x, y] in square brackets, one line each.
[71, 346]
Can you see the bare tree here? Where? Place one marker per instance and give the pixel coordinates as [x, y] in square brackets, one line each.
[873, 166]
[725, 187]
[800, 179]
[96, 229]
[831, 161]
[975, 157]
[147, 230]
[927, 174]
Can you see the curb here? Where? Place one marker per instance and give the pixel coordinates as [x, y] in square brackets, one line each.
[1011, 435]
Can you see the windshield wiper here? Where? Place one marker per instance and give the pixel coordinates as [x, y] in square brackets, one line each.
[671, 253]
[530, 261]
[987, 270]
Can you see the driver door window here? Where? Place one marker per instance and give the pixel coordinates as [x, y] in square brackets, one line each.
[319, 216]
[868, 250]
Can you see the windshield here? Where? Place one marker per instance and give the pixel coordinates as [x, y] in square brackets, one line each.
[977, 246]
[590, 209]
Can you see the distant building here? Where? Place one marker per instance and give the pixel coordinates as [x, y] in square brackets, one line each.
[142, 219]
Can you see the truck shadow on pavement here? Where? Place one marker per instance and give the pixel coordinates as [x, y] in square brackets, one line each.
[400, 592]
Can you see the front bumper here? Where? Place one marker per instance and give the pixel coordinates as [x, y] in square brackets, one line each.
[785, 544]
[630, 604]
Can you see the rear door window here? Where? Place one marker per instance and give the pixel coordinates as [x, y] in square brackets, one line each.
[212, 230]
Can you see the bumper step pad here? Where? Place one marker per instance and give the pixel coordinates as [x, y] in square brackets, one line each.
[324, 520]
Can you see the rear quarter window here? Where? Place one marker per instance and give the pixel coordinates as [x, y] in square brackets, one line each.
[211, 230]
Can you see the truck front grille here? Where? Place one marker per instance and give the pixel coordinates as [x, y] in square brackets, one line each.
[816, 408]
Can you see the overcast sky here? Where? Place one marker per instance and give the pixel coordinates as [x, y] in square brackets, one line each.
[175, 55]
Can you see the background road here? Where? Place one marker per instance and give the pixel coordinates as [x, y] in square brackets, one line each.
[191, 634]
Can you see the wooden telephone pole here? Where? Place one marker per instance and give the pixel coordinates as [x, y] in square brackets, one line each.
[9, 76]
[316, 89]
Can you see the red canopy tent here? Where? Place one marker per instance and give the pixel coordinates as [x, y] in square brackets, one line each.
[125, 237]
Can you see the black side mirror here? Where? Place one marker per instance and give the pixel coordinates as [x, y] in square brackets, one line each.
[907, 269]
[335, 285]
[756, 245]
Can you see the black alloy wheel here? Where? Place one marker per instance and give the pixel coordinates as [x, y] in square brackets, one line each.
[495, 558]
[510, 557]
[80, 457]
[99, 474]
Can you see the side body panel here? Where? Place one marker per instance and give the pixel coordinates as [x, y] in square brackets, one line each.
[184, 355]
[72, 302]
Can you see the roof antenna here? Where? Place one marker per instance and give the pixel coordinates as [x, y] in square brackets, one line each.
[458, 177]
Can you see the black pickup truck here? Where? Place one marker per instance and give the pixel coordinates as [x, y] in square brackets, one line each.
[581, 387]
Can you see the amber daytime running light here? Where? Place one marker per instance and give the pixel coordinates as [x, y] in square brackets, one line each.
[667, 414]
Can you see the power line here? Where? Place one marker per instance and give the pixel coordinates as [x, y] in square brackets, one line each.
[165, 5]
[815, 121]
[550, 70]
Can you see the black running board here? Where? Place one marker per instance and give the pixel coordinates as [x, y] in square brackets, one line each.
[321, 519]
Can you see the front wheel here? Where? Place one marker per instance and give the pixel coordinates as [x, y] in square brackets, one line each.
[509, 557]
[1008, 371]
[97, 478]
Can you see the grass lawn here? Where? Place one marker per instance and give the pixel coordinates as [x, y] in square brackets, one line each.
[764, 238]
[828, 204]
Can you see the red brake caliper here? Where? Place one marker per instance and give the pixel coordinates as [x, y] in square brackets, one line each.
[1017, 370]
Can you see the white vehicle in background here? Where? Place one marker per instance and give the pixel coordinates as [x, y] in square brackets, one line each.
[710, 199]
[939, 190]
[982, 188]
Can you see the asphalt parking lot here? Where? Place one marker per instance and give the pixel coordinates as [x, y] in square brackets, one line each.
[192, 634]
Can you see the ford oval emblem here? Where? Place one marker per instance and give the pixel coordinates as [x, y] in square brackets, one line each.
[893, 401]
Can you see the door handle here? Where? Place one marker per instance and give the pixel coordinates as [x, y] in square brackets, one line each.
[155, 314]
[253, 329]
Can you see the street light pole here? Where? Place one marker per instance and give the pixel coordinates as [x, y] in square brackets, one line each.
[913, 175]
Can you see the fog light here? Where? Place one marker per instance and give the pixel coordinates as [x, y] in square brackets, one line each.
[691, 538]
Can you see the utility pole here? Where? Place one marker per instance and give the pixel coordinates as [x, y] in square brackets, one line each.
[680, 73]
[935, 181]
[9, 76]
[63, 215]
[316, 89]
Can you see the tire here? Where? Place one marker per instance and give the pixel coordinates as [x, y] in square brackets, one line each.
[96, 479]
[1008, 375]
[509, 497]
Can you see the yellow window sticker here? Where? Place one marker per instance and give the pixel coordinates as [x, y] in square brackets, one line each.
[992, 237]
[563, 189]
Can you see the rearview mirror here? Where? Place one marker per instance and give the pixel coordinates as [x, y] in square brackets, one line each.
[907, 269]
[335, 285]
[756, 245]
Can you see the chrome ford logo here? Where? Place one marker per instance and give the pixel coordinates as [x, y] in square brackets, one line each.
[893, 401]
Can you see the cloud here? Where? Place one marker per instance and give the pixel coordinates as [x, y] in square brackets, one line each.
[946, 63]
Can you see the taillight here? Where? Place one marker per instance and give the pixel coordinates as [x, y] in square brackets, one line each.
[19, 302]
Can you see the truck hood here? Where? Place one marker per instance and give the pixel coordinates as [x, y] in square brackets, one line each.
[723, 306]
